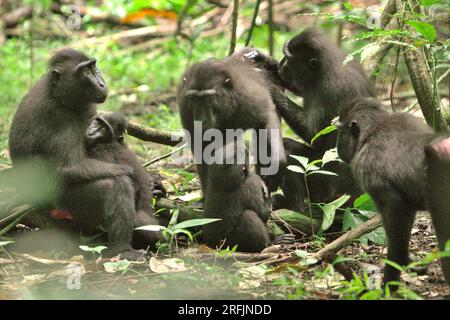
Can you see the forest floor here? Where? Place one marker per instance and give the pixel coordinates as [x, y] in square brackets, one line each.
[189, 275]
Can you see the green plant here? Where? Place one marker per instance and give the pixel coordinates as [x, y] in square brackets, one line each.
[95, 251]
[365, 209]
[307, 168]
[173, 229]
[292, 287]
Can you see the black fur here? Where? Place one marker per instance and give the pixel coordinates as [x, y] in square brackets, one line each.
[238, 196]
[387, 155]
[50, 124]
[108, 145]
[229, 94]
[313, 69]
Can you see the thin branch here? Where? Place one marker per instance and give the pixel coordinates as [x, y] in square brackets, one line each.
[391, 94]
[164, 156]
[255, 15]
[333, 247]
[234, 26]
[270, 22]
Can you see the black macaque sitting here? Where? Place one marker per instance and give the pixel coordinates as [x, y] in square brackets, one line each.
[49, 127]
[404, 166]
[105, 142]
[313, 68]
[238, 196]
[230, 94]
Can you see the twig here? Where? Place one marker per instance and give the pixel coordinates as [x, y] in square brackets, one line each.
[333, 247]
[234, 26]
[31, 57]
[239, 256]
[391, 94]
[255, 15]
[182, 16]
[164, 156]
[270, 22]
[128, 36]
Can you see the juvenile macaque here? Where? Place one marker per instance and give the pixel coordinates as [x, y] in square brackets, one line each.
[238, 196]
[105, 142]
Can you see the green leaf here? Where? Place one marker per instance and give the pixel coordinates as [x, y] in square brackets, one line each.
[339, 201]
[324, 131]
[194, 223]
[330, 155]
[4, 243]
[427, 3]
[312, 163]
[340, 259]
[394, 265]
[310, 167]
[365, 203]
[377, 236]
[301, 253]
[348, 5]
[425, 29]
[296, 169]
[303, 160]
[324, 172]
[151, 227]
[329, 210]
[174, 218]
[176, 231]
[350, 220]
[97, 249]
[372, 295]
[328, 216]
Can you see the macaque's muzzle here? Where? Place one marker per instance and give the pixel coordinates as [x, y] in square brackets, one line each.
[204, 105]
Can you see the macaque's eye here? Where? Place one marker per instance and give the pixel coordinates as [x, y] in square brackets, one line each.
[228, 84]
[354, 127]
[245, 171]
[313, 62]
[120, 139]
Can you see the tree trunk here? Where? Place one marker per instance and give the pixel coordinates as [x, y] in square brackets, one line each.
[420, 74]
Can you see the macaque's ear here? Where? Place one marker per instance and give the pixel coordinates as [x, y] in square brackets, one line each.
[354, 128]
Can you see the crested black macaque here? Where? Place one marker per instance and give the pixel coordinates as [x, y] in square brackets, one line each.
[105, 142]
[50, 125]
[238, 196]
[313, 68]
[230, 94]
[404, 166]
[438, 192]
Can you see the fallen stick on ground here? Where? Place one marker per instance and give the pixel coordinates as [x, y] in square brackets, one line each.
[333, 247]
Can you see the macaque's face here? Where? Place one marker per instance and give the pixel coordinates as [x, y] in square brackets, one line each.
[207, 90]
